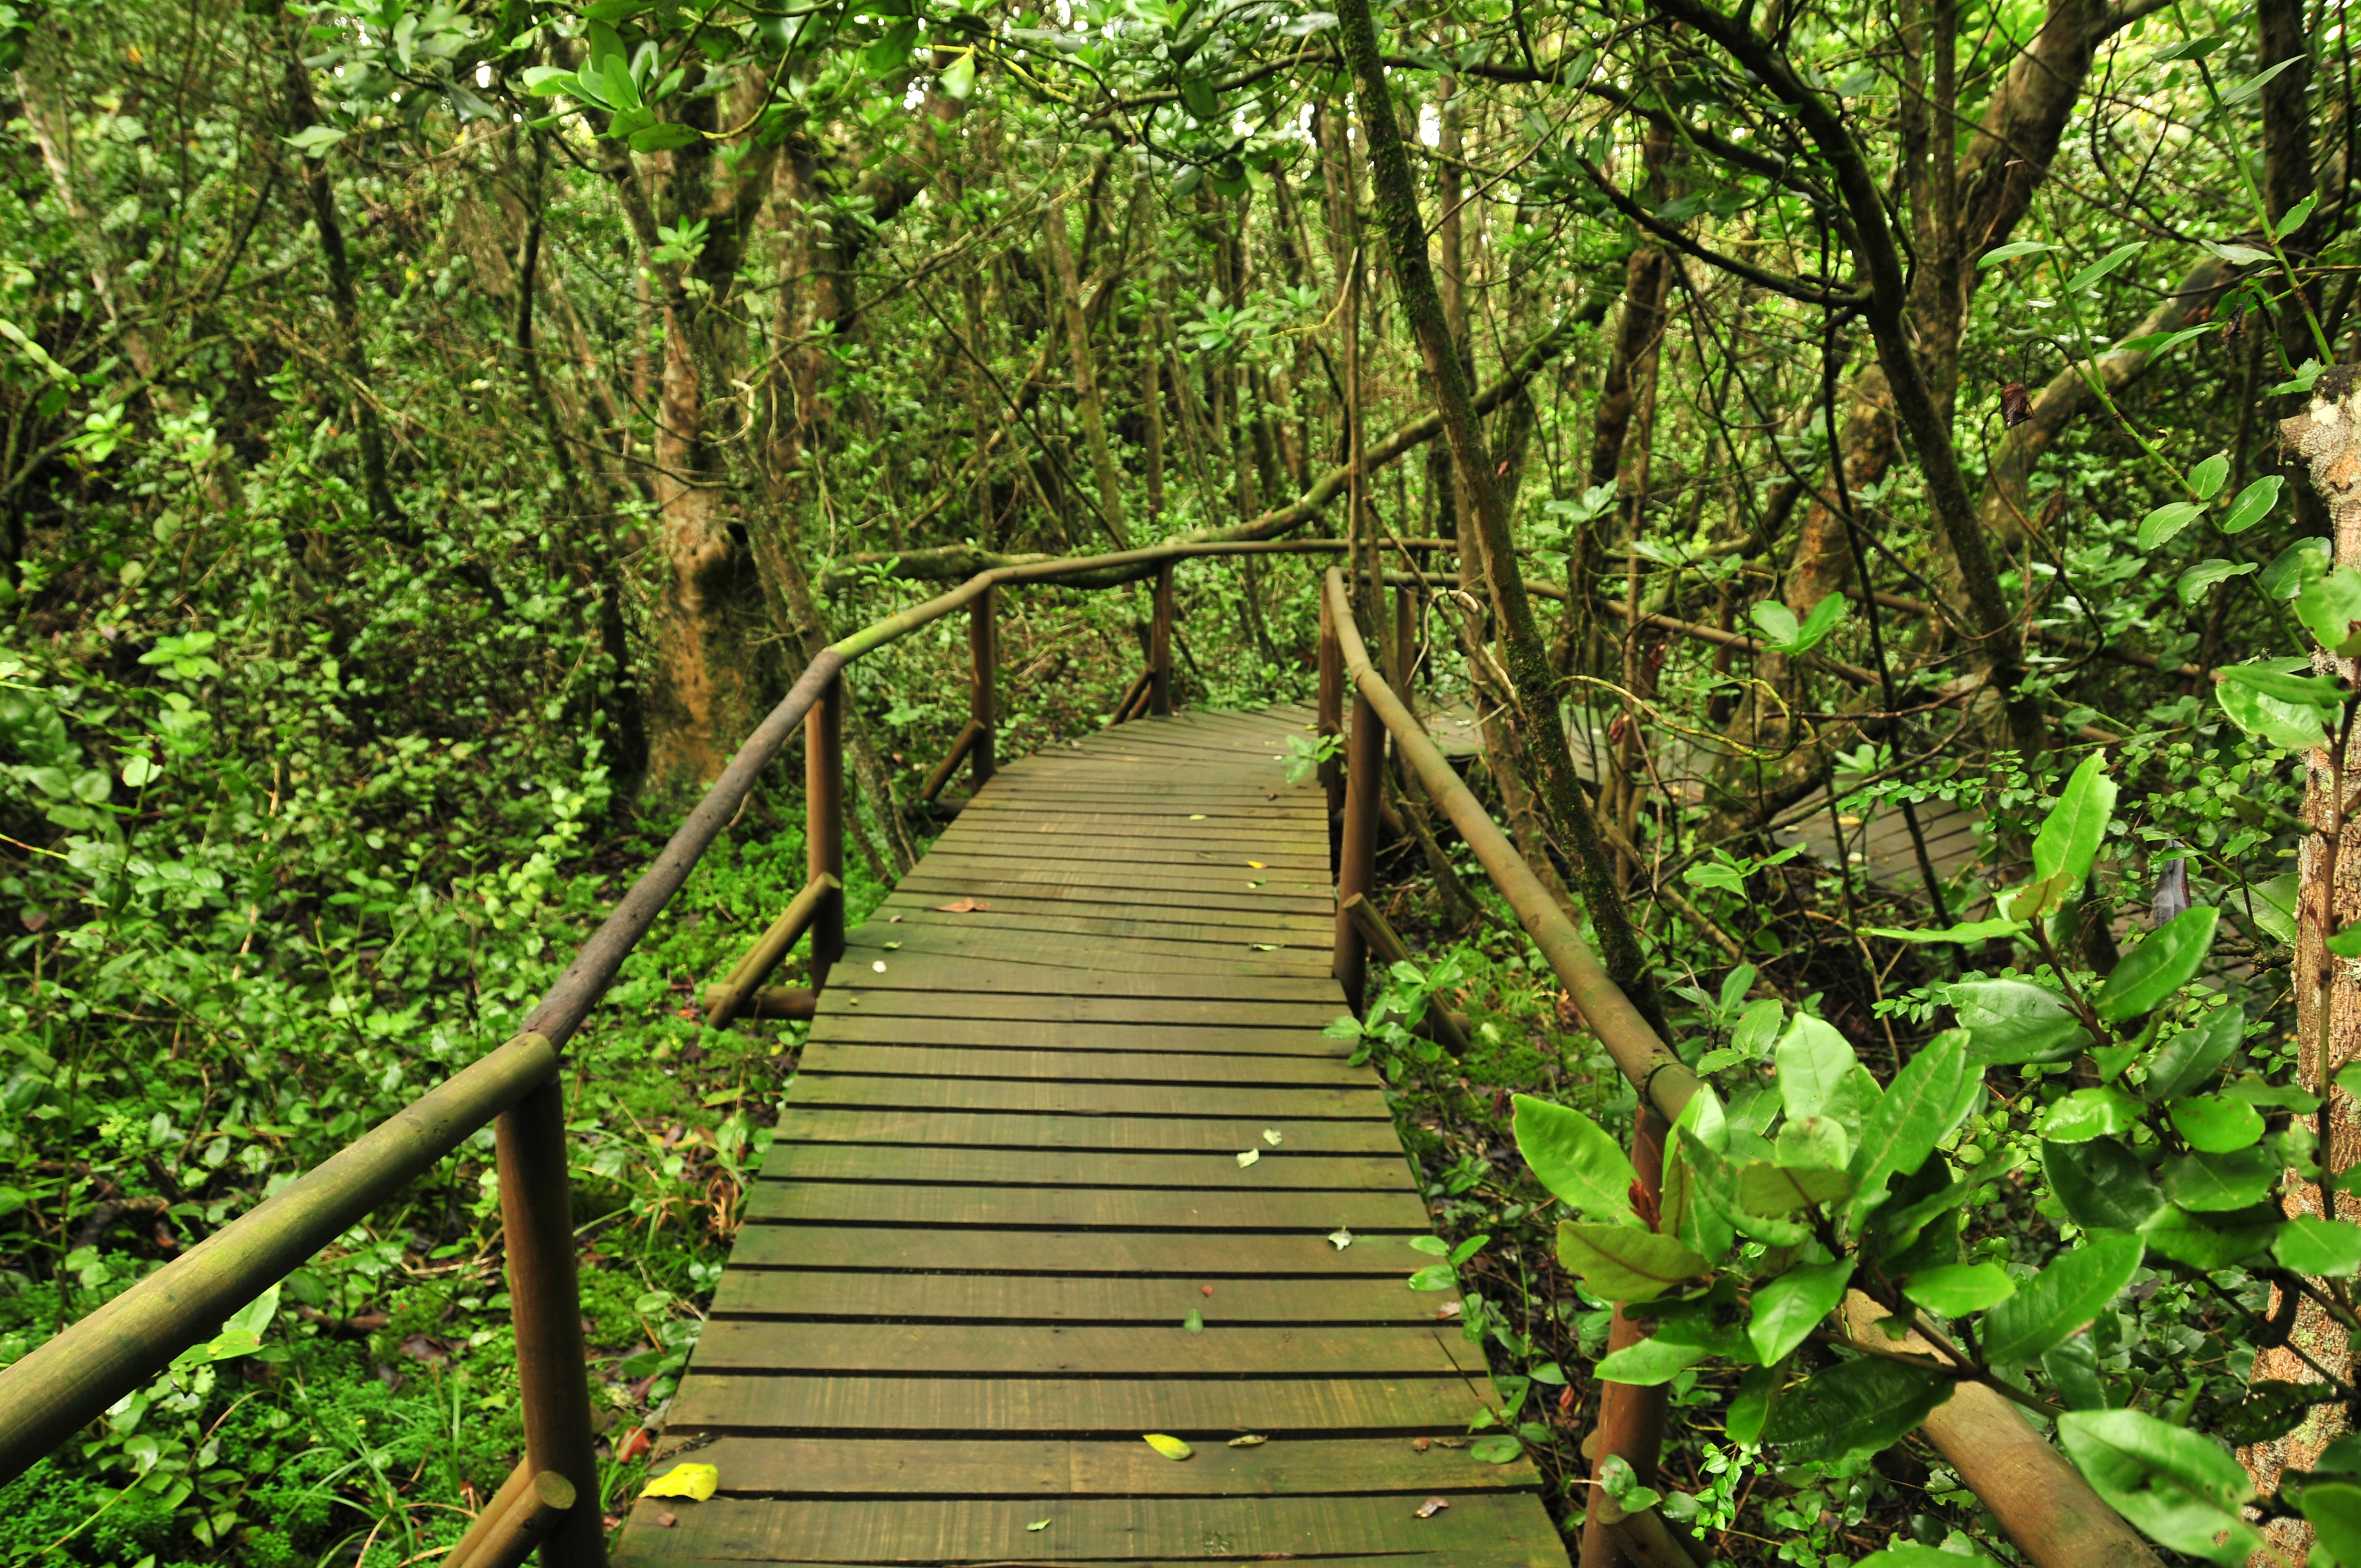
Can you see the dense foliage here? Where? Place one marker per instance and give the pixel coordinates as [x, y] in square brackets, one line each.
[434, 435]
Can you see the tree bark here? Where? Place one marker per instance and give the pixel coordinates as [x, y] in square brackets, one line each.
[1086, 382]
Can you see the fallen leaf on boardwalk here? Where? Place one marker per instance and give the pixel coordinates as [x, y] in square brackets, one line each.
[1259, 882]
[892, 947]
[1448, 1310]
[1196, 817]
[667, 1520]
[1194, 1322]
[1247, 1157]
[1170, 1447]
[893, 919]
[1250, 1440]
[695, 1482]
[879, 966]
[1272, 1137]
[1273, 947]
[1039, 1524]
[1420, 1444]
[1204, 1289]
[1342, 1237]
[962, 907]
[1257, 865]
[637, 1442]
[1429, 1508]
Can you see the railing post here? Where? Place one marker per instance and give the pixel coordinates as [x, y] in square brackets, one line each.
[1331, 720]
[1405, 653]
[553, 1370]
[824, 822]
[1631, 1423]
[1159, 645]
[982, 688]
[1364, 751]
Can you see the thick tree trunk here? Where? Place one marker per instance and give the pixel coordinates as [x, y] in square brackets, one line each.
[1523, 653]
[1087, 403]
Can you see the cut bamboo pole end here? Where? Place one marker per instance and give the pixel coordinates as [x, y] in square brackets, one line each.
[725, 1002]
[526, 1522]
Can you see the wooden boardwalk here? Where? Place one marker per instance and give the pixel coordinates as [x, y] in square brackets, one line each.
[1009, 1172]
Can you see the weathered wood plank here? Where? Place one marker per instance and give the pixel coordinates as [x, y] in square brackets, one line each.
[1274, 1170]
[927, 1129]
[1078, 1066]
[1082, 1208]
[1196, 1258]
[867, 1029]
[852, 997]
[1278, 1107]
[1089, 1350]
[954, 975]
[1032, 1297]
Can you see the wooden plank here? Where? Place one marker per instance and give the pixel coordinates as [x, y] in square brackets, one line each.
[953, 975]
[871, 1028]
[1081, 1208]
[1510, 1530]
[1308, 837]
[1273, 1107]
[852, 997]
[1018, 871]
[1020, 910]
[1050, 1467]
[874, 943]
[1195, 1258]
[1078, 1350]
[809, 1293]
[1078, 1066]
[1097, 849]
[1276, 1169]
[1116, 1407]
[817, 1124]
[1253, 903]
[1307, 931]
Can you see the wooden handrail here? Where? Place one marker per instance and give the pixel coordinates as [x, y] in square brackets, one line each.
[2040, 1499]
[727, 1001]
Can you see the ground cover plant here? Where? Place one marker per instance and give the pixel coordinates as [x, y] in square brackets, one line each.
[434, 434]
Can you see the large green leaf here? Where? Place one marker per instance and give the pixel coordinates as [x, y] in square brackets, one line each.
[2217, 1184]
[2334, 1509]
[2151, 972]
[2322, 1248]
[1955, 1290]
[1624, 1263]
[1650, 1362]
[1717, 1183]
[1787, 1308]
[2102, 1185]
[1574, 1157]
[2070, 836]
[1813, 1059]
[1854, 1407]
[2086, 1113]
[2174, 1484]
[1765, 1188]
[2196, 1054]
[2297, 726]
[1917, 1111]
[2330, 609]
[2075, 1288]
[2174, 1233]
[1686, 1214]
[2215, 1123]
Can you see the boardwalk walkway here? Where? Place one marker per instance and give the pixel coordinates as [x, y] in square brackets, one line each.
[1008, 1173]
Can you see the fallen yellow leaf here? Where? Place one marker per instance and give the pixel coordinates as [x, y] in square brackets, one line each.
[695, 1482]
[1170, 1447]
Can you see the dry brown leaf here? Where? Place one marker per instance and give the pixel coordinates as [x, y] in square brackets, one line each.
[964, 906]
[1429, 1508]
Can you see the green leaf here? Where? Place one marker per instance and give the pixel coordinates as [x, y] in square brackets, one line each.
[2197, 1053]
[2295, 568]
[1911, 1554]
[2101, 1184]
[2253, 504]
[1574, 1159]
[1438, 1276]
[2252, 86]
[2104, 266]
[2201, 578]
[957, 79]
[1498, 1449]
[2165, 342]
[1826, 617]
[2331, 610]
[1808, 1142]
[1854, 1408]
[1918, 1110]
[2174, 1233]
[2294, 217]
[2215, 1124]
[1955, 1290]
[1717, 1184]
[1624, 1263]
[661, 137]
[2010, 252]
[1651, 1362]
[2189, 48]
[2173, 1483]
[2322, 1249]
[1774, 1189]
[2218, 1183]
[2334, 1509]
[1812, 1060]
[2087, 1113]
[1169, 1447]
[1778, 622]
[2205, 479]
[2070, 837]
[313, 141]
[2169, 959]
[1787, 1308]
[2075, 1288]
[1966, 932]
[2296, 726]
[2158, 527]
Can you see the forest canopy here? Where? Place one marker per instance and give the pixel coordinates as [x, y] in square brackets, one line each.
[1873, 484]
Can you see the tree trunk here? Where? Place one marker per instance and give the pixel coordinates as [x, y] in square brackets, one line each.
[1086, 381]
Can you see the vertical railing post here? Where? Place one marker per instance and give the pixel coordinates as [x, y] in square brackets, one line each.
[824, 822]
[1631, 1423]
[553, 1371]
[1365, 753]
[1332, 721]
[1405, 651]
[983, 689]
[1159, 644]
